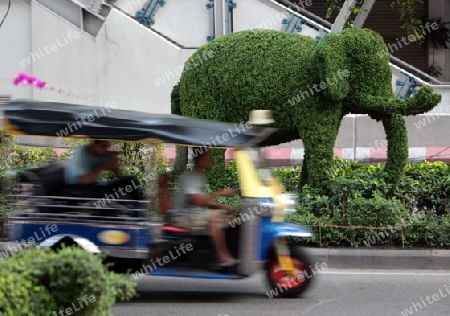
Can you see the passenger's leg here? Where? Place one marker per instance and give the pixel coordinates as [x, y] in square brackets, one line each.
[218, 237]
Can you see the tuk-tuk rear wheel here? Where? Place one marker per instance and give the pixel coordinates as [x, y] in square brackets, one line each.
[287, 286]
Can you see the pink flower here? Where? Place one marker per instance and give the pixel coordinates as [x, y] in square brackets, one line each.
[40, 84]
[31, 80]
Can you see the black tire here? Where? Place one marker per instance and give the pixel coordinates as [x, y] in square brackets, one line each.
[291, 287]
[64, 242]
[117, 265]
[122, 265]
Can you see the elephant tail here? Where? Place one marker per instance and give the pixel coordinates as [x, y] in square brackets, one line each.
[175, 107]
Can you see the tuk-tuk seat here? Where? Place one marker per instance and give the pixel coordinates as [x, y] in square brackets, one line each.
[175, 230]
[164, 206]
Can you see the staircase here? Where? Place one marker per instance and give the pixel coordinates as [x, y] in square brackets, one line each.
[87, 15]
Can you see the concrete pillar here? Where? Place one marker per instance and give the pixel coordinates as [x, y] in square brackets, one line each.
[447, 57]
[436, 9]
[220, 11]
[342, 17]
[364, 13]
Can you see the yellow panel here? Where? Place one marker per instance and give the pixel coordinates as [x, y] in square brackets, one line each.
[286, 263]
[251, 185]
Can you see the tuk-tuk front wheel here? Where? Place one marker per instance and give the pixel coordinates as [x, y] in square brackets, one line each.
[288, 285]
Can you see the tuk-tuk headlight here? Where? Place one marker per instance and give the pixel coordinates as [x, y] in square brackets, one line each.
[266, 209]
[290, 202]
[260, 207]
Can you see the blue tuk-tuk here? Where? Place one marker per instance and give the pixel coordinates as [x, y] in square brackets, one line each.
[49, 213]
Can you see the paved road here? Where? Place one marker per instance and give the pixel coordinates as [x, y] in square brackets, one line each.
[335, 292]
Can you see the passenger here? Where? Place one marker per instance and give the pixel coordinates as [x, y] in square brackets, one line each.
[89, 161]
[192, 208]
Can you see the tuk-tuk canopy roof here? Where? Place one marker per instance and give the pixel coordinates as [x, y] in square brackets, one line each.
[54, 119]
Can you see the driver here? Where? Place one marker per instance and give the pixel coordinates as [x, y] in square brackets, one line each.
[197, 211]
[89, 161]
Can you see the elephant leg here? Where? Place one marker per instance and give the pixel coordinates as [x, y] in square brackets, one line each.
[318, 159]
[216, 176]
[318, 139]
[397, 156]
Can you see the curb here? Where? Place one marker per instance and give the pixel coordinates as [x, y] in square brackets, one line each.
[432, 259]
[283, 157]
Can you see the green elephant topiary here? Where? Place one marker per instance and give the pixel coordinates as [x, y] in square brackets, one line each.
[308, 84]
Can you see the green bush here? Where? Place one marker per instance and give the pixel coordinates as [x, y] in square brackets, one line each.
[27, 157]
[373, 212]
[42, 282]
[426, 186]
[358, 195]
[291, 177]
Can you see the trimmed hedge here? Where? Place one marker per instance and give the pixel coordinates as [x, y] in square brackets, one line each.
[43, 282]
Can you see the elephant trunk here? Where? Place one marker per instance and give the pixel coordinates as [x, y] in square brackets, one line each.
[397, 156]
[422, 101]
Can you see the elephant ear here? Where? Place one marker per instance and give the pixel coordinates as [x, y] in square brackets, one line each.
[333, 66]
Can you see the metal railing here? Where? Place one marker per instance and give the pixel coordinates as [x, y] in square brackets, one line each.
[306, 13]
[408, 70]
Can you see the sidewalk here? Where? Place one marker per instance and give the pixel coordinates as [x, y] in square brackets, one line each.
[342, 258]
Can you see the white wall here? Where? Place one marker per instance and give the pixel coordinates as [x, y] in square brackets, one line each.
[444, 106]
[250, 14]
[187, 24]
[72, 66]
[126, 63]
[138, 67]
[15, 39]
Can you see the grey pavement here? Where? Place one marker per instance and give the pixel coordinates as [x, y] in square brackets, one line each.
[334, 292]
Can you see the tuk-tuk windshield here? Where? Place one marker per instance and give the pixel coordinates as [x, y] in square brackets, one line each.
[264, 172]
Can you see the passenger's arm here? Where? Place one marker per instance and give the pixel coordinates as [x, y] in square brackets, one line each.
[207, 200]
[90, 177]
